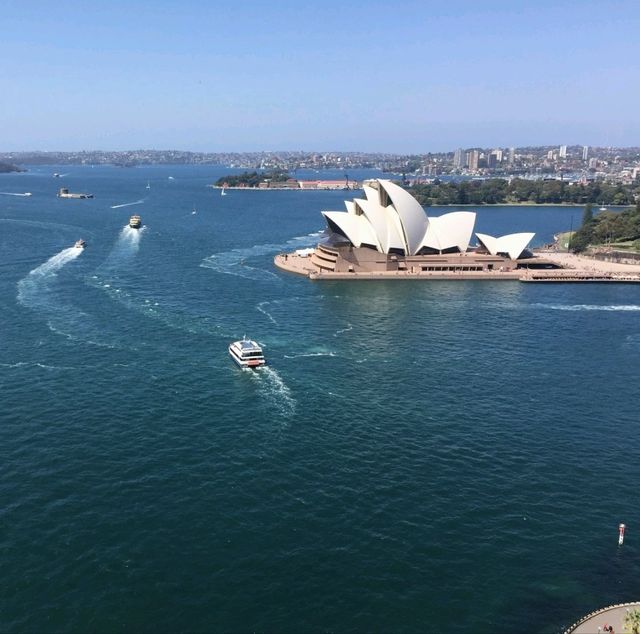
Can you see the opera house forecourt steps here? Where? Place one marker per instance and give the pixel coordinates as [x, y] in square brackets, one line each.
[388, 235]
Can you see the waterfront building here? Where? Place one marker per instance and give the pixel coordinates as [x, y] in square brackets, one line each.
[473, 159]
[388, 232]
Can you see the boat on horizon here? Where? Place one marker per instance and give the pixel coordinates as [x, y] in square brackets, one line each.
[247, 353]
[135, 222]
[148, 185]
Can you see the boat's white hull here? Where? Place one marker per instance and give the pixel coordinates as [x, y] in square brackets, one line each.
[250, 364]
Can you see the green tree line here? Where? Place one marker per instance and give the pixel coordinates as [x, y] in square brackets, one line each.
[518, 190]
[252, 179]
[607, 227]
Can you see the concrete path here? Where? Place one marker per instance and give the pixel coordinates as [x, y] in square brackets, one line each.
[612, 616]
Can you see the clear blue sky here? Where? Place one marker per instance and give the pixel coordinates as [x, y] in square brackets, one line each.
[373, 76]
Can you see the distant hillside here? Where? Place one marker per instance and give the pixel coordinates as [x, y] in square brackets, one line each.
[517, 191]
[5, 168]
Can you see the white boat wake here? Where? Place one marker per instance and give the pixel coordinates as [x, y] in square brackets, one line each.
[238, 261]
[16, 194]
[43, 275]
[591, 307]
[343, 330]
[265, 312]
[37, 292]
[137, 202]
[275, 391]
[113, 278]
[328, 353]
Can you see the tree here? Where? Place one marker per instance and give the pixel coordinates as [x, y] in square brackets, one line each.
[632, 622]
[587, 216]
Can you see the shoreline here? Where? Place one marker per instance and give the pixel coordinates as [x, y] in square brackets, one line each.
[327, 189]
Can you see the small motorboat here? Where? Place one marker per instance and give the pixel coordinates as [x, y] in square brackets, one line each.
[247, 353]
[135, 222]
[80, 244]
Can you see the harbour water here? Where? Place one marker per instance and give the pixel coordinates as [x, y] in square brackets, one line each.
[450, 456]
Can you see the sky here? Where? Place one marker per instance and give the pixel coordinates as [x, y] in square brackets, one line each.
[404, 76]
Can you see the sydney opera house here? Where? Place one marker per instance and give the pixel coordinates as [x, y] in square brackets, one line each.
[388, 231]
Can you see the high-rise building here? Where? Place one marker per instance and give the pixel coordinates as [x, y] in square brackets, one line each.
[512, 155]
[492, 160]
[458, 158]
[498, 152]
[585, 152]
[563, 152]
[473, 157]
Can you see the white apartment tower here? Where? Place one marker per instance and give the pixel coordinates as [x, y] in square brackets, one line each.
[585, 152]
[563, 152]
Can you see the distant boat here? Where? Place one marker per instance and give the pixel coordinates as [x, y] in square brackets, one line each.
[603, 209]
[65, 193]
[223, 192]
[171, 178]
[80, 244]
[148, 185]
[135, 222]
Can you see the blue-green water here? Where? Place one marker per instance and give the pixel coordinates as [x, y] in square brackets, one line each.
[418, 456]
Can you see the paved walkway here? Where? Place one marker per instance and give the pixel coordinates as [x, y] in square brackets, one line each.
[612, 616]
[590, 264]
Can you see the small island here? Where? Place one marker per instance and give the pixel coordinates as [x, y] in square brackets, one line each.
[7, 168]
[278, 180]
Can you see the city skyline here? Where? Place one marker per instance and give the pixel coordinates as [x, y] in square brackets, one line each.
[367, 76]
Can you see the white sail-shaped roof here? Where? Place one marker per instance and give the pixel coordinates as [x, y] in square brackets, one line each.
[452, 230]
[390, 219]
[488, 242]
[413, 219]
[384, 224]
[357, 229]
[513, 244]
[455, 229]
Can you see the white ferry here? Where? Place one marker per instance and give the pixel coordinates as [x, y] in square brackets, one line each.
[247, 353]
[135, 222]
